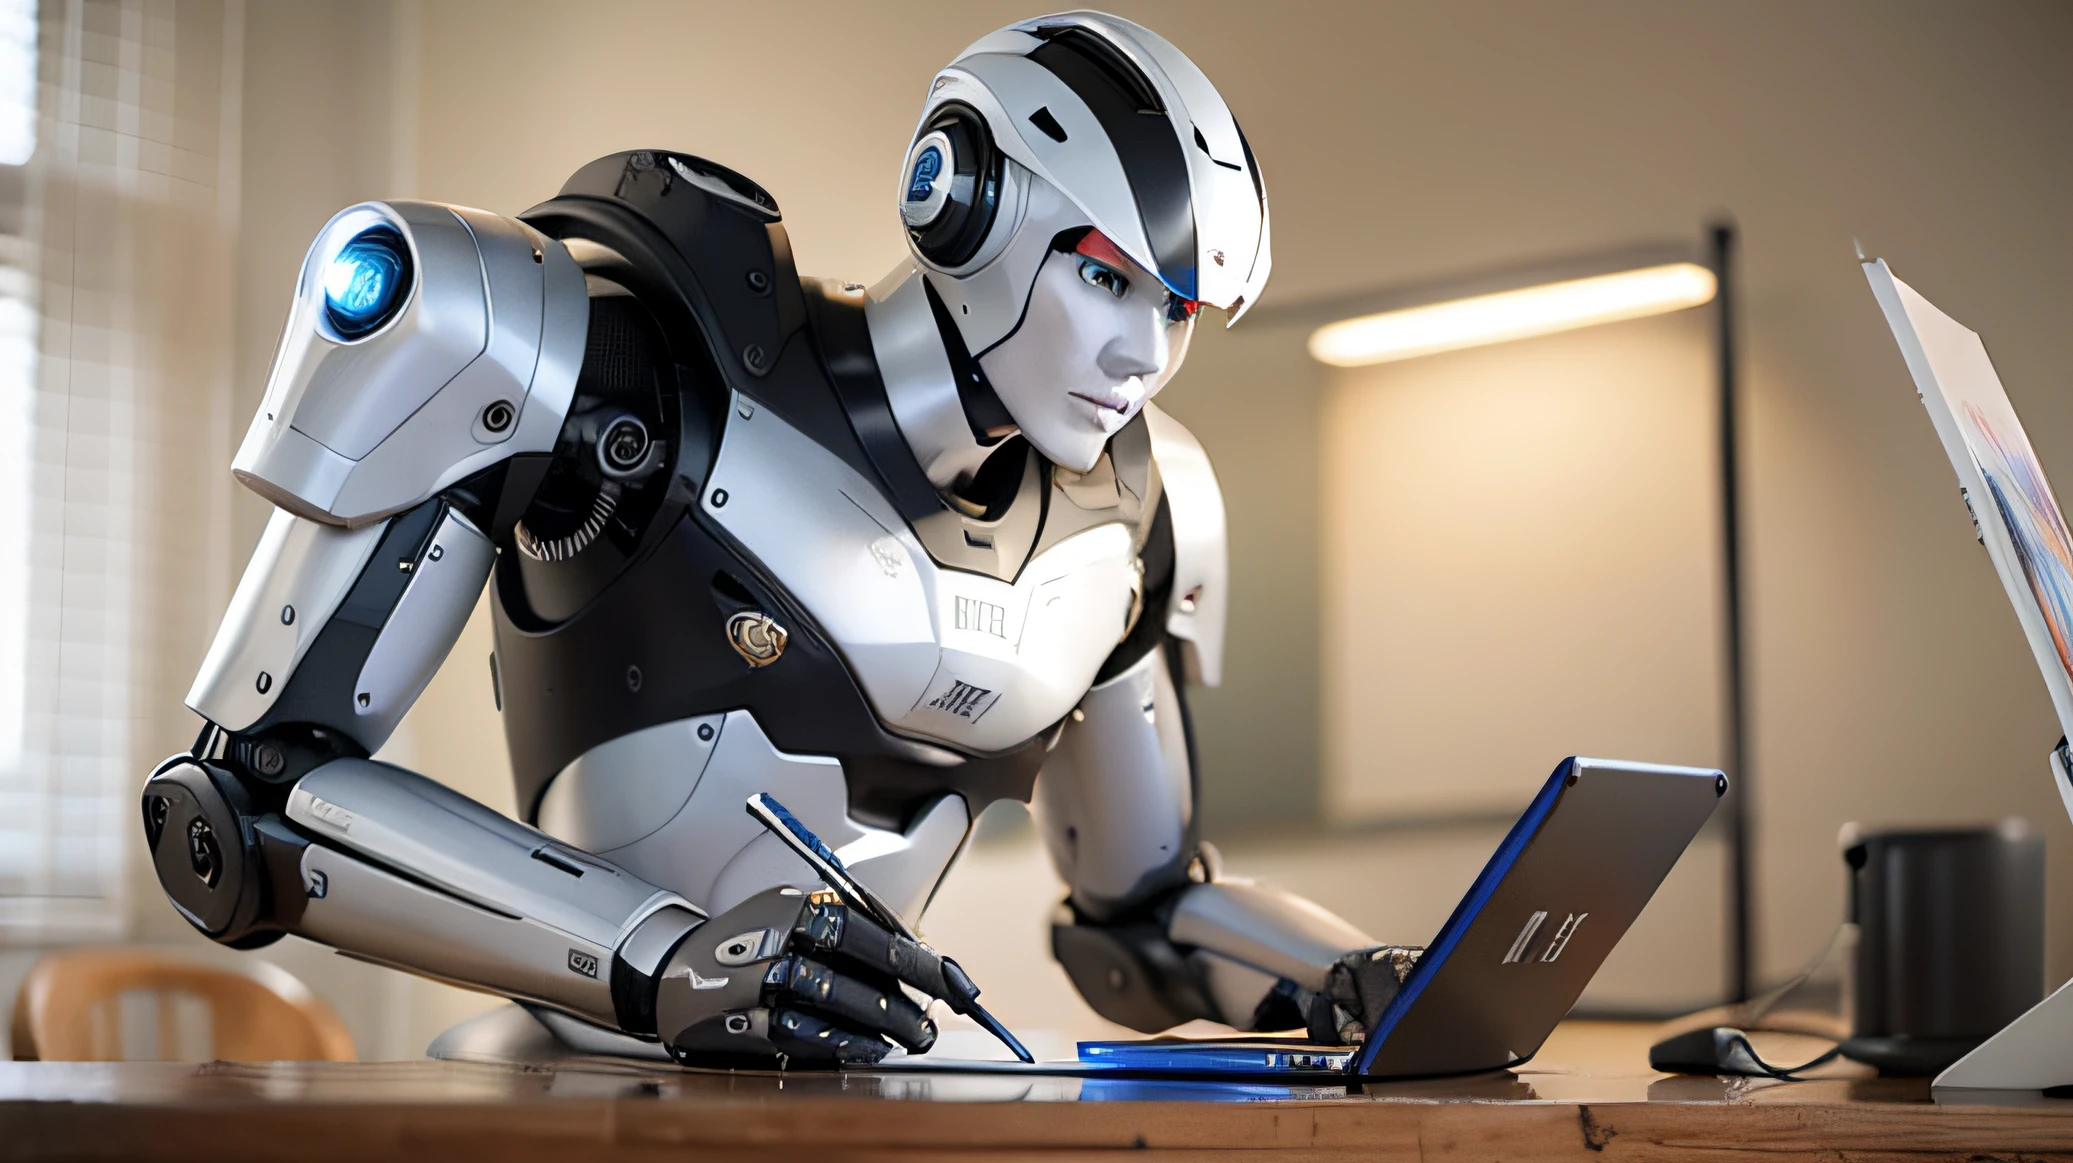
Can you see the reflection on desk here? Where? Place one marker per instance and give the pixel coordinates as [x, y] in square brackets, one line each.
[1589, 1095]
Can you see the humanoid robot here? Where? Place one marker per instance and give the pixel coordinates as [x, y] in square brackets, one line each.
[888, 556]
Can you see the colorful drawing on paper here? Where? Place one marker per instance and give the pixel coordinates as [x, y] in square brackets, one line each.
[2031, 514]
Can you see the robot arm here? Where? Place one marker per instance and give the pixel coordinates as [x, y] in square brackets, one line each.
[429, 346]
[426, 347]
[1153, 934]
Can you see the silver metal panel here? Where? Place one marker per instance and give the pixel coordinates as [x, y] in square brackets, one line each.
[687, 853]
[1231, 224]
[905, 870]
[539, 315]
[352, 431]
[295, 469]
[1016, 658]
[1271, 930]
[1113, 801]
[919, 385]
[445, 581]
[946, 654]
[564, 327]
[349, 396]
[1233, 253]
[452, 843]
[299, 573]
[714, 854]
[372, 914]
[836, 544]
[1236, 989]
[1201, 568]
[654, 937]
[626, 788]
[1085, 166]
[902, 869]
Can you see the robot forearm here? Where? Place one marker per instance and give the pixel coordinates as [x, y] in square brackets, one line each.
[1250, 956]
[389, 866]
[1275, 960]
[404, 870]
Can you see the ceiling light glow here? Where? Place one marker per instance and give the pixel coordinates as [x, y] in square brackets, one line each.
[1509, 315]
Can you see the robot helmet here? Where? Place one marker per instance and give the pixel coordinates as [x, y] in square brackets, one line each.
[1069, 121]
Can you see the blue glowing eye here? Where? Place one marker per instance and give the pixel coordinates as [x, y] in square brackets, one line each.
[367, 283]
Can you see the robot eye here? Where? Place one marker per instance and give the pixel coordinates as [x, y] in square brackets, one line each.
[1106, 277]
[367, 283]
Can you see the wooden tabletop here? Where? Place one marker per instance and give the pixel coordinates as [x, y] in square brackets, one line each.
[1588, 1095]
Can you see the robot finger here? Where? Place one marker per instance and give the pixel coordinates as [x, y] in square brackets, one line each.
[851, 936]
[803, 1035]
[808, 985]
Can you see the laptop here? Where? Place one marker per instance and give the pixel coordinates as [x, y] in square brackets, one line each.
[2014, 514]
[1571, 876]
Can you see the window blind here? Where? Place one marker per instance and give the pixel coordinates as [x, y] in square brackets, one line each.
[114, 368]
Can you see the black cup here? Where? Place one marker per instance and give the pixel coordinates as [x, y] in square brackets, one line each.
[1950, 941]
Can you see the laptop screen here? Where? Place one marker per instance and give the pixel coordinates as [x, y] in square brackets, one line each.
[2013, 510]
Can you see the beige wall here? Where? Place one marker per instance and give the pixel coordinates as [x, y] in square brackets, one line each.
[1403, 142]
[1520, 564]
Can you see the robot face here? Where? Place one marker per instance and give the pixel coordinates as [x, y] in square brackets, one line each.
[1101, 336]
[1111, 120]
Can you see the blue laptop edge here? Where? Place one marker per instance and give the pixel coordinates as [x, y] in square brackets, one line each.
[1465, 913]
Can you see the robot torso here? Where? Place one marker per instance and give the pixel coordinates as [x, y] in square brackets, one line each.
[773, 597]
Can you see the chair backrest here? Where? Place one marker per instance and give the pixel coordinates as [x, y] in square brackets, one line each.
[111, 1005]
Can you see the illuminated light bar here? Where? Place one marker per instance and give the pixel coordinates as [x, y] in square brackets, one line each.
[1507, 315]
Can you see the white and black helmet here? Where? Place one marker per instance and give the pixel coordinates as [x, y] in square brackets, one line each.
[1074, 120]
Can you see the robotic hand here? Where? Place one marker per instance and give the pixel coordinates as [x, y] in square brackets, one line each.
[797, 978]
[1357, 989]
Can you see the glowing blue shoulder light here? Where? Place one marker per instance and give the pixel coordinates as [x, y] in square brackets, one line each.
[367, 283]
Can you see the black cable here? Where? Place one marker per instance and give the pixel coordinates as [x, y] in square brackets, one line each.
[1740, 1041]
[1722, 1050]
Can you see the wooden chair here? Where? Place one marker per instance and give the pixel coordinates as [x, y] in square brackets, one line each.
[78, 1005]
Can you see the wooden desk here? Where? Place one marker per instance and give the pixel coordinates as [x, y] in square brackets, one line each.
[1588, 1096]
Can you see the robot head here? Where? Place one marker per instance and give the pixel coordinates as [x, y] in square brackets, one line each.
[1075, 190]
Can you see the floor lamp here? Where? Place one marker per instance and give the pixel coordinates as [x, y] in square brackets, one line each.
[1609, 287]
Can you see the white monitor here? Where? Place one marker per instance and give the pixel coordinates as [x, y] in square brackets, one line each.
[2013, 510]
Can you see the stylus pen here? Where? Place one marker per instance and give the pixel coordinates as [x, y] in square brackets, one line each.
[964, 995]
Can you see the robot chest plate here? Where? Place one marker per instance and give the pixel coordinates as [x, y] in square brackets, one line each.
[970, 660]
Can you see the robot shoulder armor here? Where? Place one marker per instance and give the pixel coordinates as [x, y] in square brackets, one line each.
[425, 343]
[1195, 505]
[703, 248]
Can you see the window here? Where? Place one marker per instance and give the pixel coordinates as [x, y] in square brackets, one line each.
[115, 261]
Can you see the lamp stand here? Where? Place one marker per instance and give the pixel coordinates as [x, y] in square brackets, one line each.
[1735, 740]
